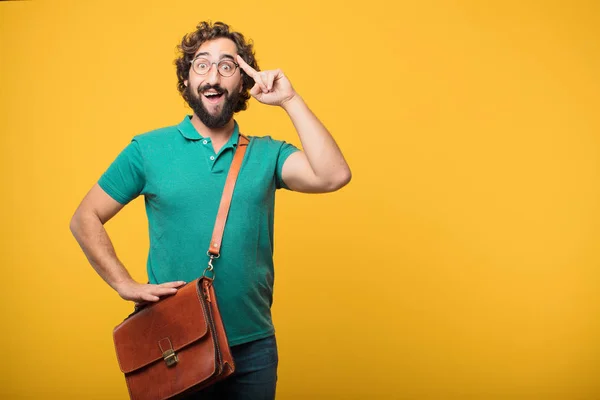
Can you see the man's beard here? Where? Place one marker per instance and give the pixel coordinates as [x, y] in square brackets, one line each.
[220, 119]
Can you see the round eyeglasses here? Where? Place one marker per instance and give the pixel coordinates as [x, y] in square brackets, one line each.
[226, 68]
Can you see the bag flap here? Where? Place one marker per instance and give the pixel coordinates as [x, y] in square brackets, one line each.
[173, 322]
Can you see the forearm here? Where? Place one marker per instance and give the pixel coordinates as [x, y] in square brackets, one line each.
[98, 248]
[322, 152]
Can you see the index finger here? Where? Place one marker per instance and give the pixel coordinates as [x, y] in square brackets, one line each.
[247, 68]
[173, 284]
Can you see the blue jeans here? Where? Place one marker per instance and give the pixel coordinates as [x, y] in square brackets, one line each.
[255, 376]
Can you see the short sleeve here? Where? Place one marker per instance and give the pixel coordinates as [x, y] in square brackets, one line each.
[285, 150]
[124, 179]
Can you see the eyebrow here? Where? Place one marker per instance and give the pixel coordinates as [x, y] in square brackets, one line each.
[205, 54]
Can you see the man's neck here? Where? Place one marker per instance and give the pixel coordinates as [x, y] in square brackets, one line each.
[218, 135]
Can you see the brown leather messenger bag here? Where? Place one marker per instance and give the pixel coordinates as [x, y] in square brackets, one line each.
[178, 345]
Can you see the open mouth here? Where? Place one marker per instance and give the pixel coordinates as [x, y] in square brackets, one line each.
[213, 97]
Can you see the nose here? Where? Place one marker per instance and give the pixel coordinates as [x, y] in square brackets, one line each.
[213, 77]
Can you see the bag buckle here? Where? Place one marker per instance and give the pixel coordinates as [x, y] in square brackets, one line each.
[168, 355]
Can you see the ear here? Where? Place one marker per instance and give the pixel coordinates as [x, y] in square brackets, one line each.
[185, 83]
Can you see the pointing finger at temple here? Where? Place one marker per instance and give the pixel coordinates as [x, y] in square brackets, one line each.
[247, 68]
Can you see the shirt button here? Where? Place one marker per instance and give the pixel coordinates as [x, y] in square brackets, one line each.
[212, 158]
[204, 141]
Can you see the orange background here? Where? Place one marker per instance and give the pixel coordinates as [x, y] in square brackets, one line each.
[460, 263]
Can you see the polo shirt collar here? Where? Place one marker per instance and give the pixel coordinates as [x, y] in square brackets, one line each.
[187, 129]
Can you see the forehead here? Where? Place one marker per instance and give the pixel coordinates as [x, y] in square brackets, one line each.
[217, 47]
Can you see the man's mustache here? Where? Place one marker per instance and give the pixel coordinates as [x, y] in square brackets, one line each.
[207, 87]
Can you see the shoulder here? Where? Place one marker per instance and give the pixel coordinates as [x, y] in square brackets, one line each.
[261, 140]
[266, 143]
[154, 144]
[159, 135]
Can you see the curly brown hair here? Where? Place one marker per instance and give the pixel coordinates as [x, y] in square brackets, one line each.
[204, 32]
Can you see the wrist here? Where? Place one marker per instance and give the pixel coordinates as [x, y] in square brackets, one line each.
[291, 102]
[120, 285]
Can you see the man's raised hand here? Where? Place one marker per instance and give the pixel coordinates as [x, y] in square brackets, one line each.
[271, 87]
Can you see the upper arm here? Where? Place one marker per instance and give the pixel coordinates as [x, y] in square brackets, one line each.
[299, 176]
[98, 202]
[125, 178]
[123, 181]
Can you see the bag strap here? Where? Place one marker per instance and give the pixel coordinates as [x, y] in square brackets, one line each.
[214, 249]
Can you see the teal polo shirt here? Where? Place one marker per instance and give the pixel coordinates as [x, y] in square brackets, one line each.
[182, 180]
